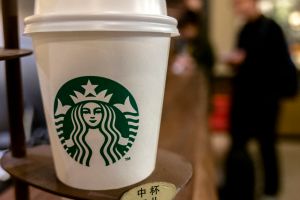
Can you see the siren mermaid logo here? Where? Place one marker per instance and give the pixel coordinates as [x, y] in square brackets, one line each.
[96, 120]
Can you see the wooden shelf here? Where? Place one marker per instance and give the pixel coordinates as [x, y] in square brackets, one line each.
[7, 54]
[37, 169]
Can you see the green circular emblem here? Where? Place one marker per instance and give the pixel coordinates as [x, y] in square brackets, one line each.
[98, 107]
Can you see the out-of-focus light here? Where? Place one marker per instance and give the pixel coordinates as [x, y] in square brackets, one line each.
[194, 5]
[266, 6]
[284, 4]
[294, 20]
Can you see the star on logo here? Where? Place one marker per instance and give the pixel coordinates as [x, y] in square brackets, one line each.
[90, 89]
[90, 94]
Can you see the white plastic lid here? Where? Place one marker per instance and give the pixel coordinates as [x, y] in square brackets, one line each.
[62, 7]
[101, 15]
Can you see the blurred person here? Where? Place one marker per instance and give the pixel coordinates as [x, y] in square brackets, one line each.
[264, 75]
[193, 49]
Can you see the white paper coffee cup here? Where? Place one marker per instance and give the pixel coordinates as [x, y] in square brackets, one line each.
[102, 78]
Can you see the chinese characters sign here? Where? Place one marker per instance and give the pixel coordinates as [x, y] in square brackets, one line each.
[151, 191]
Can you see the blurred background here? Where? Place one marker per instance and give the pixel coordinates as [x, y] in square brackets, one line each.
[198, 93]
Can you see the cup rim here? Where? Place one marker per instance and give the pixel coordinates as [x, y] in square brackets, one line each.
[106, 16]
[101, 22]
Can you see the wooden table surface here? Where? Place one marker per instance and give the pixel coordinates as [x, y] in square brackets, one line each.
[183, 130]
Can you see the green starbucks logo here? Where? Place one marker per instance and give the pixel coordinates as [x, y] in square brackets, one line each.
[98, 107]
